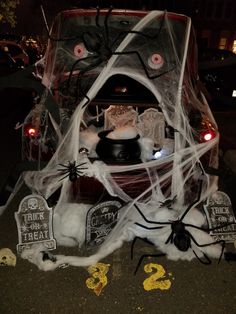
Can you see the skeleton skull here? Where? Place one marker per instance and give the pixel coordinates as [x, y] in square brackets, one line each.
[33, 203]
[7, 258]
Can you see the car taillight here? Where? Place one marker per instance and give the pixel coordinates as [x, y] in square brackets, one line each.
[208, 135]
[30, 131]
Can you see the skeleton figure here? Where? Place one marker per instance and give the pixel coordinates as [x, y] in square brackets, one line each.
[7, 258]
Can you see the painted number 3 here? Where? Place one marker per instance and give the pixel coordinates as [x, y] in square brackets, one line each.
[156, 280]
[99, 279]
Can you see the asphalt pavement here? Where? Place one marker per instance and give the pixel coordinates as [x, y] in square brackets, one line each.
[180, 287]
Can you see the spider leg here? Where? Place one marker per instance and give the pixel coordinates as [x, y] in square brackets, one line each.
[133, 243]
[222, 242]
[143, 64]
[96, 63]
[147, 255]
[206, 244]
[83, 163]
[146, 227]
[106, 25]
[194, 203]
[84, 168]
[150, 221]
[170, 238]
[67, 175]
[79, 170]
[63, 170]
[65, 166]
[73, 67]
[97, 17]
[210, 229]
[168, 203]
[81, 73]
[79, 173]
[207, 259]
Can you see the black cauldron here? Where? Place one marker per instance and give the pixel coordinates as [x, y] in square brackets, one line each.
[118, 150]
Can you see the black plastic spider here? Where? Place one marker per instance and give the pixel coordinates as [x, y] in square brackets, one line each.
[72, 170]
[97, 42]
[180, 236]
[168, 203]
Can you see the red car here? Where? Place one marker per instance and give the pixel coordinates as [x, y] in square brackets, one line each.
[135, 128]
[15, 51]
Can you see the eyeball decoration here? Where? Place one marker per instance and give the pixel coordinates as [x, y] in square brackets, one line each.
[80, 51]
[155, 61]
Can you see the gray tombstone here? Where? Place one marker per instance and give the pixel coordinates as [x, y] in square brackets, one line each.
[219, 212]
[101, 219]
[151, 124]
[34, 223]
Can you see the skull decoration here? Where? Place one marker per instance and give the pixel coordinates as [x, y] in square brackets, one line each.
[7, 258]
[33, 203]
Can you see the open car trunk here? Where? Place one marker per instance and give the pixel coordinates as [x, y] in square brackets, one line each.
[135, 130]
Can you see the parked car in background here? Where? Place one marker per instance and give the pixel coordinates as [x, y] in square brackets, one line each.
[213, 54]
[16, 101]
[15, 51]
[217, 70]
[7, 63]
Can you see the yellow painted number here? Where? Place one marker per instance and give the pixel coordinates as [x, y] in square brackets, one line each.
[99, 279]
[156, 280]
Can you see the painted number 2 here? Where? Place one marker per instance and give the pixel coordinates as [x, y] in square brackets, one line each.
[157, 280]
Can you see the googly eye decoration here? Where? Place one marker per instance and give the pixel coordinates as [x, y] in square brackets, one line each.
[80, 51]
[155, 61]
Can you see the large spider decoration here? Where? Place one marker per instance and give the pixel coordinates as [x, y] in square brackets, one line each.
[98, 44]
[180, 236]
[72, 170]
